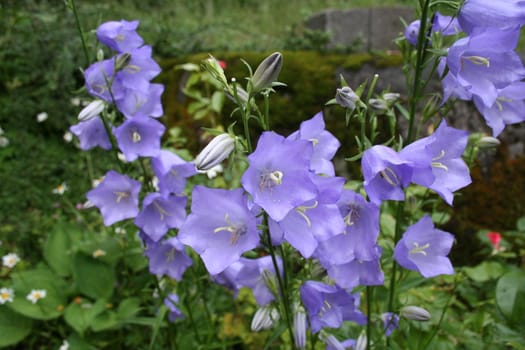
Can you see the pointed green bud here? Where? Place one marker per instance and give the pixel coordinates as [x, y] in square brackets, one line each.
[267, 72]
[213, 66]
[346, 97]
[122, 61]
[415, 313]
[215, 152]
[488, 142]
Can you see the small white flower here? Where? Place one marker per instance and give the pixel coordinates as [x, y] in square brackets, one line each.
[98, 252]
[6, 295]
[121, 157]
[68, 136]
[120, 230]
[36, 295]
[75, 101]
[60, 189]
[41, 117]
[64, 346]
[4, 141]
[10, 260]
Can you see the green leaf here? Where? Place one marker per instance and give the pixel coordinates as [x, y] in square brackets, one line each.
[128, 308]
[49, 307]
[57, 251]
[13, 326]
[510, 297]
[520, 225]
[217, 101]
[485, 271]
[105, 321]
[93, 277]
[81, 315]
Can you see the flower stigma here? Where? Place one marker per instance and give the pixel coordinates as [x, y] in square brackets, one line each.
[236, 230]
[419, 250]
[270, 179]
[301, 210]
[389, 176]
[439, 164]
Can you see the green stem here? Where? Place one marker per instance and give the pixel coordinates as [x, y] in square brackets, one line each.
[80, 32]
[282, 288]
[422, 43]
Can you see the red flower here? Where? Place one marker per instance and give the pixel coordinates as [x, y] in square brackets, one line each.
[495, 238]
[222, 64]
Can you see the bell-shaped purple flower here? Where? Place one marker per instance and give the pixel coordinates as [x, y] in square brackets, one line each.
[486, 61]
[139, 137]
[508, 108]
[385, 173]
[142, 103]
[120, 36]
[490, 13]
[139, 70]
[324, 143]
[412, 32]
[91, 133]
[437, 161]
[328, 306]
[160, 213]
[220, 227]
[171, 171]
[278, 177]
[357, 272]
[424, 248]
[116, 197]
[100, 81]
[168, 258]
[171, 303]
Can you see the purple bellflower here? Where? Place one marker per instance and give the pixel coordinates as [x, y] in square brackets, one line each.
[142, 103]
[412, 32]
[139, 137]
[116, 197]
[314, 221]
[424, 248]
[171, 171]
[167, 257]
[220, 227]
[328, 306]
[160, 213]
[390, 322]
[490, 13]
[91, 133]
[100, 81]
[385, 173]
[256, 274]
[171, 303]
[486, 61]
[325, 144]
[508, 108]
[446, 25]
[278, 177]
[120, 36]
[139, 70]
[437, 161]
[357, 272]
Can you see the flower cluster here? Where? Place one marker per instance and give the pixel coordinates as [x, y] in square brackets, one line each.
[483, 66]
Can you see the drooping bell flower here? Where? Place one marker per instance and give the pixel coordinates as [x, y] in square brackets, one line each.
[167, 257]
[120, 36]
[412, 32]
[424, 248]
[116, 197]
[220, 227]
[490, 13]
[91, 133]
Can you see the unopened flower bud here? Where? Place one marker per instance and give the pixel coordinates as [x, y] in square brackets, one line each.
[122, 61]
[215, 152]
[415, 313]
[488, 142]
[264, 318]
[213, 66]
[267, 72]
[361, 341]
[378, 105]
[299, 328]
[346, 97]
[91, 110]
[391, 97]
[332, 343]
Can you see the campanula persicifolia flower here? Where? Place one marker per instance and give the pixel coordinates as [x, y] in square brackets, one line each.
[167, 257]
[120, 36]
[116, 197]
[91, 133]
[412, 32]
[424, 248]
[220, 227]
[139, 137]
